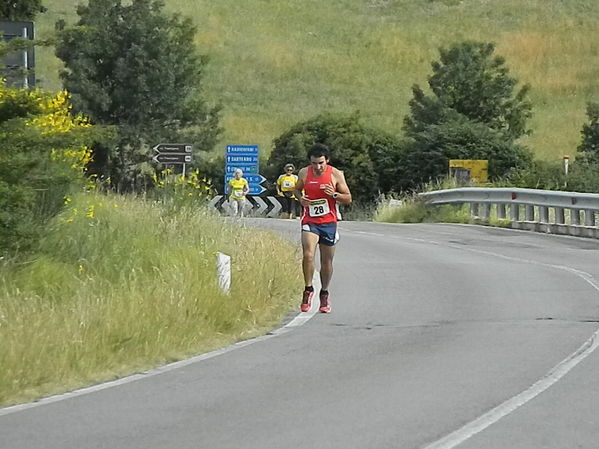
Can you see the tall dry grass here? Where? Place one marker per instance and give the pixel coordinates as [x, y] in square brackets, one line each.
[120, 285]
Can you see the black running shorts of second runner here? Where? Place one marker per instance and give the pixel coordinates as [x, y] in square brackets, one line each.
[326, 231]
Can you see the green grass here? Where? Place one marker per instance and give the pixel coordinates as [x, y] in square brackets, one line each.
[120, 285]
[276, 62]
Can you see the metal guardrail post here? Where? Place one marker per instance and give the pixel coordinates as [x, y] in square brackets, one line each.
[486, 213]
[589, 218]
[560, 217]
[575, 216]
[474, 209]
[501, 211]
[529, 214]
[543, 214]
[515, 211]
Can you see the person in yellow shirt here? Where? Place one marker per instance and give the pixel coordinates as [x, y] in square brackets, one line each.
[285, 187]
[238, 189]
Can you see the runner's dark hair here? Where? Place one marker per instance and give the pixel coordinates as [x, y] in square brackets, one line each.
[317, 150]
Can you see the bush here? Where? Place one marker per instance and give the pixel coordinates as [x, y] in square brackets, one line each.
[43, 153]
[368, 157]
[427, 157]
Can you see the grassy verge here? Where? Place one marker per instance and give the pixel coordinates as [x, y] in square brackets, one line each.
[120, 285]
[412, 210]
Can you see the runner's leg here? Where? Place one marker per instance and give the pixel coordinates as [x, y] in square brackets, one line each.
[326, 265]
[233, 204]
[309, 242]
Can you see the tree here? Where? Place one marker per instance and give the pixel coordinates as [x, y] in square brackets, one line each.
[43, 151]
[469, 81]
[427, 155]
[589, 147]
[135, 68]
[20, 10]
[368, 157]
[473, 112]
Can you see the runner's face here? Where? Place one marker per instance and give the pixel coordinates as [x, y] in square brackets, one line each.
[319, 164]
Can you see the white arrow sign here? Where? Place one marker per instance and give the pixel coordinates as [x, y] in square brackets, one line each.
[277, 207]
[261, 204]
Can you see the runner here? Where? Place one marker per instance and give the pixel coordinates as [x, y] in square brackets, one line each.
[319, 188]
[285, 186]
[238, 189]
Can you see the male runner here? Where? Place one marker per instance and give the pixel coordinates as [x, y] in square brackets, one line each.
[319, 188]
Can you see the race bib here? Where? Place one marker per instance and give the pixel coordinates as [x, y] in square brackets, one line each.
[288, 184]
[238, 193]
[318, 208]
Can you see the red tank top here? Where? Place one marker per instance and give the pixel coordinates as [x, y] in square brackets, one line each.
[322, 208]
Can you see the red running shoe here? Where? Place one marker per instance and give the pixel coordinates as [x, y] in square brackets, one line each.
[306, 301]
[325, 305]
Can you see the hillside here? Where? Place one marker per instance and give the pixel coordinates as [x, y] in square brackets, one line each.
[276, 62]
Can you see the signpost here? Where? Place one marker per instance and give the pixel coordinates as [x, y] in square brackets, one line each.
[245, 157]
[173, 154]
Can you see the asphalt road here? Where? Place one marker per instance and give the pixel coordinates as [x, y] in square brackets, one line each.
[441, 336]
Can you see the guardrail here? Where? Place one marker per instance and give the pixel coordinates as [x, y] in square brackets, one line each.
[556, 212]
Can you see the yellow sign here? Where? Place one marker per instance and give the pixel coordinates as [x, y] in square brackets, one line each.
[470, 170]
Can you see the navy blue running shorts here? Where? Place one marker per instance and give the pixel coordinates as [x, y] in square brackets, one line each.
[326, 231]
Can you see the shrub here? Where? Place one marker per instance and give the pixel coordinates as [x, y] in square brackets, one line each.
[43, 153]
[367, 156]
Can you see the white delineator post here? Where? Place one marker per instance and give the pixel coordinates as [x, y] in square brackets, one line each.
[223, 271]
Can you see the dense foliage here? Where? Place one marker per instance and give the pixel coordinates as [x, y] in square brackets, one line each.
[20, 10]
[43, 152]
[473, 113]
[368, 157]
[589, 147]
[136, 68]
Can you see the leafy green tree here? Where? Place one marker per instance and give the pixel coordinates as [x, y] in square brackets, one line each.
[136, 68]
[470, 81]
[473, 113]
[368, 157]
[589, 147]
[427, 156]
[20, 10]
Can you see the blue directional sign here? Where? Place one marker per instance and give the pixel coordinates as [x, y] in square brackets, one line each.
[252, 179]
[245, 157]
[242, 159]
[256, 189]
[236, 149]
[244, 168]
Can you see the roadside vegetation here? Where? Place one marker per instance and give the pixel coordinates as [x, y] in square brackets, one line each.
[119, 285]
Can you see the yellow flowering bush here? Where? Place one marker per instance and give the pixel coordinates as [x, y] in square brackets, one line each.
[44, 150]
[179, 190]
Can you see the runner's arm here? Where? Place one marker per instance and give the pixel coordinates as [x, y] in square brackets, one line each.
[342, 193]
[299, 187]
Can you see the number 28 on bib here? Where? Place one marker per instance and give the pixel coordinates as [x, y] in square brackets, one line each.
[318, 208]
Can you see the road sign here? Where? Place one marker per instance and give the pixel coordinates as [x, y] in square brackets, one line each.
[172, 158]
[252, 179]
[243, 159]
[176, 148]
[236, 149]
[256, 190]
[245, 168]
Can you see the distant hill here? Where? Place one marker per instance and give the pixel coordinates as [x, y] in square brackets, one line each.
[276, 62]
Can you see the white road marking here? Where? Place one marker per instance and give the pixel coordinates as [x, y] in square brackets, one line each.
[299, 320]
[554, 375]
